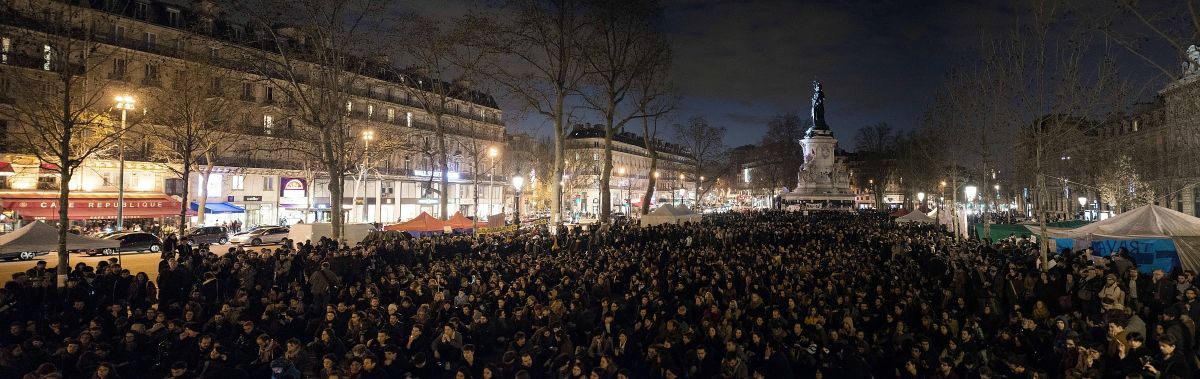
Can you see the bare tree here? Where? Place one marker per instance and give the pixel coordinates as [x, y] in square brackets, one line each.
[443, 61]
[779, 163]
[311, 51]
[191, 125]
[60, 102]
[876, 145]
[621, 48]
[539, 65]
[706, 143]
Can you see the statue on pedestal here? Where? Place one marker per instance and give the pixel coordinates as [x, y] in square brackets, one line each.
[818, 105]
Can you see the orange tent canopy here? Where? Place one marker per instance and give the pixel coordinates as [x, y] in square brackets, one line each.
[458, 221]
[422, 223]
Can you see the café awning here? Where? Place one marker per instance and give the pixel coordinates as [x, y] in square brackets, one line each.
[6, 169]
[218, 208]
[85, 206]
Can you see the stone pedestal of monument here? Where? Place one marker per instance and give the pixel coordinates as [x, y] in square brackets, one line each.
[823, 180]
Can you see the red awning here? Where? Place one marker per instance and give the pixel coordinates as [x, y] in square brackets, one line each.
[6, 169]
[84, 206]
[47, 168]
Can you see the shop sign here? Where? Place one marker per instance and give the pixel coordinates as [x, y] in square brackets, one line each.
[251, 198]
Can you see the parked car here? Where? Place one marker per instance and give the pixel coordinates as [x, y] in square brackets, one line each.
[130, 242]
[22, 255]
[260, 235]
[207, 234]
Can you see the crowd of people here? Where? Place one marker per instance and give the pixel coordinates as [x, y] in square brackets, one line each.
[740, 295]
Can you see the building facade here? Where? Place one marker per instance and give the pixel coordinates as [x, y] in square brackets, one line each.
[146, 49]
[630, 175]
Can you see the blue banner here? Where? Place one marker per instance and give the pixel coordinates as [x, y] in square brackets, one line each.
[1149, 254]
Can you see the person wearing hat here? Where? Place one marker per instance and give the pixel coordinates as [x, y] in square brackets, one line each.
[1111, 295]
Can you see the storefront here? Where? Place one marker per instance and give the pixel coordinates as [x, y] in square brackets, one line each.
[293, 202]
[219, 213]
[89, 210]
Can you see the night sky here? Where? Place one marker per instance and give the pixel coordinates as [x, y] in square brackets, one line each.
[738, 63]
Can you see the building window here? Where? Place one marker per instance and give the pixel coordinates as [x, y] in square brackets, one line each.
[118, 72]
[391, 115]
[173, 18]
[174, 186]
[1196, 201]
[5, 48]
[268, 183]
[408, 118]
[248, 91]
[118, 33]
[370, 111]
[150, 39]
[151, 74]
[47, 56]
[141, 10]
[213, 53]
[349, 106]
[237, 182]
[47, 182]
[270, 93]
[268, 124]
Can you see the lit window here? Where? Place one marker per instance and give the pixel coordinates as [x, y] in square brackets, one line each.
[408, 118]
[268, 124]
[370, 111]
[48, 56]
[268, 183]
[5, 48]
[237, 182]
[349, 106]
[391, 115]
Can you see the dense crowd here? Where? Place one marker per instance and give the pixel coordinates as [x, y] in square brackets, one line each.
[741, 295]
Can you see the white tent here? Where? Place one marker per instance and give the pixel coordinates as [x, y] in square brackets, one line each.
[669, 214]
[1148, 222]
[916, 216]
[38, 236]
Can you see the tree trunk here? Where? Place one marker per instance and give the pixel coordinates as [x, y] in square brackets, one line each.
[559, 156]
[337, 215]
[202, 196]
[183, 205]
[606, 176]
[1043, 245]
[64, 221]
[651, 181]
[444, 196]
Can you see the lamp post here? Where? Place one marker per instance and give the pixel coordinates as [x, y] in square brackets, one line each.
[920, 199]
[367, 136]
[492, 153]
[517, 182]
[621, 172]
[125, 103]
[970, 192]
[682, 190]
[941, 199]
[1082, 202]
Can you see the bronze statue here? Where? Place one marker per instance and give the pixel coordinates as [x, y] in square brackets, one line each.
[818, 105]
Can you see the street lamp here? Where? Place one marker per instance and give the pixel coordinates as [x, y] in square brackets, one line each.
[621, 172]
[367, 137]
[921, 198]
[517, 182]
[970, 192]
[1083, 202]
[125, 103]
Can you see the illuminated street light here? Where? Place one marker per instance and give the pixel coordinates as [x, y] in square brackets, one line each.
[125, 103]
